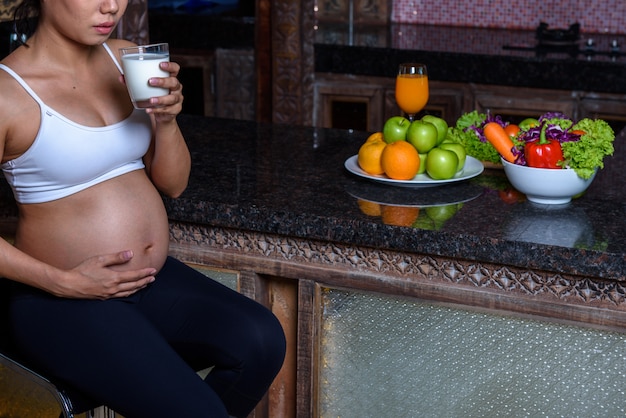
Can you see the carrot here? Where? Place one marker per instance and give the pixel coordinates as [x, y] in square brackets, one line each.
[500, 140]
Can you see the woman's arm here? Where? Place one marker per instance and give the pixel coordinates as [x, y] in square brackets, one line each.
[168, 162]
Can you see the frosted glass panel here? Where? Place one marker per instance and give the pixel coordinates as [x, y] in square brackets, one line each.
[226, 277]
[390, 357]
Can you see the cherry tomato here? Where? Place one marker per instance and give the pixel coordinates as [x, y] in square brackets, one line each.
[511, 196]
[511, 130]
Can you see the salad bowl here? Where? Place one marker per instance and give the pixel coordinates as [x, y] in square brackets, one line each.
[546, 185]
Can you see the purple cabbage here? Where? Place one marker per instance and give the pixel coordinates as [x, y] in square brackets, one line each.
[557, 127]
[478, 130]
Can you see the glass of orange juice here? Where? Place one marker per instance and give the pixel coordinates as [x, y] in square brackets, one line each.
[412, 88]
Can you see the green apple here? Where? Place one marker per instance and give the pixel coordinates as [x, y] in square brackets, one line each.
[395, 129]
[422, 168]
[424, 222]
[441, 164]
[422, 135]
[460, 152]
[442, 213]
[440, 124]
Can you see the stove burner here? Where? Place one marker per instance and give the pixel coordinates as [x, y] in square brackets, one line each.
[547, 36]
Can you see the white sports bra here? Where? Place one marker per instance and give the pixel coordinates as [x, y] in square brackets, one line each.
[67, 157]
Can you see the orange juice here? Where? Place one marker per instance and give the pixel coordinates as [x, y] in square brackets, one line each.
[411, 92]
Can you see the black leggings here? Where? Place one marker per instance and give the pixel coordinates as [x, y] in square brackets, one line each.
[139, 355]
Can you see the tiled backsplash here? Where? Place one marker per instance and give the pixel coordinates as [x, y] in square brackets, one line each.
[596, 16]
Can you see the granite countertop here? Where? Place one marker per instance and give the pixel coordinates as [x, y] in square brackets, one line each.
[291, 181]
[471, 55]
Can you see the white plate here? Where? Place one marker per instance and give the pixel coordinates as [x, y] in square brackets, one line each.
[472, 168]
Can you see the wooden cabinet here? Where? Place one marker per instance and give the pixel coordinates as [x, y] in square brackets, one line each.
[350, 102]
[197, 73]
[218, 83]
[515, 104]
[610, 107]
[364, 103]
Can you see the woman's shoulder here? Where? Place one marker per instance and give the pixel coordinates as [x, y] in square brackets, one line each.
[9, 84]
[18, 110]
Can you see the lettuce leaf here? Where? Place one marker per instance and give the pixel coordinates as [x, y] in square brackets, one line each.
[466, 132]
[587, 154]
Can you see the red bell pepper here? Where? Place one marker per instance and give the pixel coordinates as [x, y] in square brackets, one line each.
[543, 153]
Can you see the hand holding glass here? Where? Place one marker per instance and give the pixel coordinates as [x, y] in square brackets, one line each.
[412, 88]
[140, 63]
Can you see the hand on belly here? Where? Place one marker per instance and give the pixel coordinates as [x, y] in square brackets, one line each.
[98, 278]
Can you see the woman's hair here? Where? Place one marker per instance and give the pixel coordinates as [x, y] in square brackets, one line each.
[25, 19]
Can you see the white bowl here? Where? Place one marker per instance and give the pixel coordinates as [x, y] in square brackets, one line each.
[546, 185]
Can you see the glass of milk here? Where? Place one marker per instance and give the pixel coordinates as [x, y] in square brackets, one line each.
[140, 63]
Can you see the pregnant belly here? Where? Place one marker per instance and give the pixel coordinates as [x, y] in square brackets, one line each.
[121, 214]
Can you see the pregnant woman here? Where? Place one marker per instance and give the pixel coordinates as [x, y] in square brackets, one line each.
[96, 303]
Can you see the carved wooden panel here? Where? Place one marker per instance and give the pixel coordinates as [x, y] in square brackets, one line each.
[371, 11]
[134, 24]
[332, 10]
[235, 84]
[525, 291]
[292, 61]
[7, 7]
[353, 11]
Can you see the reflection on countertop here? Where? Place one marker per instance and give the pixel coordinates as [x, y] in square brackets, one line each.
[562, 225]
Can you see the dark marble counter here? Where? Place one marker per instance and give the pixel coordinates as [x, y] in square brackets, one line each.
[471, 55]
[291, 181]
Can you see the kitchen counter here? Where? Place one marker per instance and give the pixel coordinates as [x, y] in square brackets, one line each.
[290, 182]
[471, 55]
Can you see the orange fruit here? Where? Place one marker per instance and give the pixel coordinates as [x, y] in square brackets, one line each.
[376, 136]
[399, 215]
[400, 160]
[369, 156]
[369, 208]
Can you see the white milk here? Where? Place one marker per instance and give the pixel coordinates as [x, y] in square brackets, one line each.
[138, 68]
